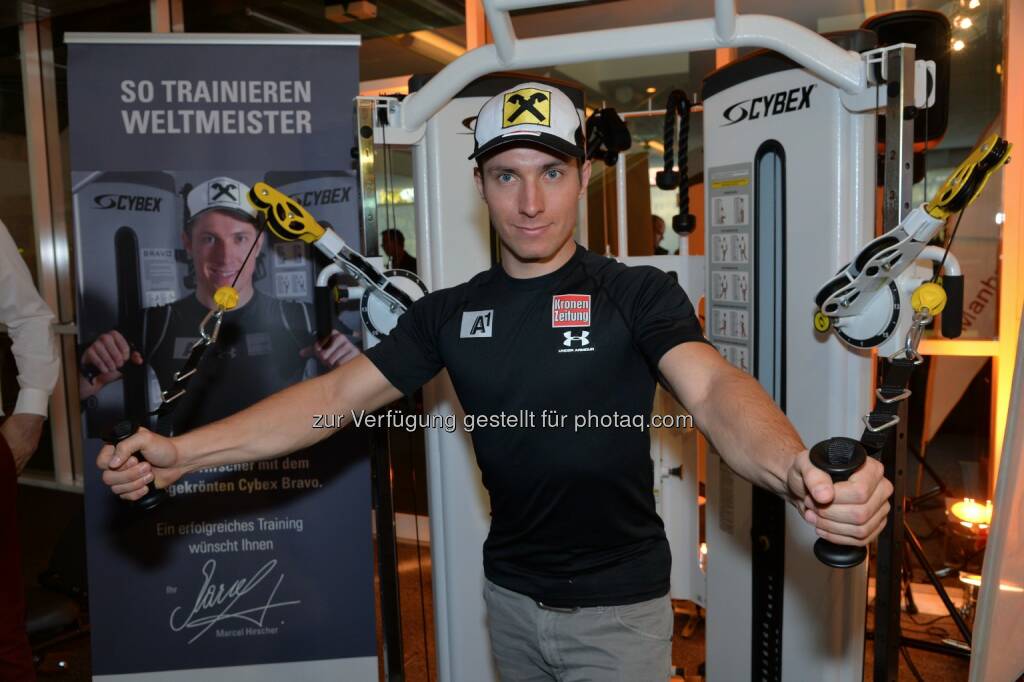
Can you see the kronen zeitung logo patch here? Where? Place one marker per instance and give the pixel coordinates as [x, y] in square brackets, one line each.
[570, 310]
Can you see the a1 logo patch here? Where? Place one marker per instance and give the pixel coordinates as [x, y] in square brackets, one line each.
[570, 310]
[476, 324]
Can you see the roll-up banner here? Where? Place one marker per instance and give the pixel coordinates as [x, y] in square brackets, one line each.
[260, 571]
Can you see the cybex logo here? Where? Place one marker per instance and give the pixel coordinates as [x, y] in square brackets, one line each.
[319, 197]
[128, 202]
[781, 102]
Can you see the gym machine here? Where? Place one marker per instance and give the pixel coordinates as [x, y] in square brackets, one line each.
[790, 183]
[810, 145]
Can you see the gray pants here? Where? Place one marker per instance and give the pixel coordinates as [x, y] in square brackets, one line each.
[631, 643]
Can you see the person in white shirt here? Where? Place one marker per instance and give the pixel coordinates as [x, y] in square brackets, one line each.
[28, 320]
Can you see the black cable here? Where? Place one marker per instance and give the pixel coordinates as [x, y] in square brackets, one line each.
[390, 166]
[387, 190]
[949, 244]
[910, 664]
[259, 232]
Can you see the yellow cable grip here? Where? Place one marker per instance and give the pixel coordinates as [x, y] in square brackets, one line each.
[226, 298]
[929, 295]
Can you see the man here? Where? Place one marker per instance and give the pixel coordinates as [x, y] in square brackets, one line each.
[28, 321]
[263, 343]
[393, 243]
[658, 229]
[576, 561]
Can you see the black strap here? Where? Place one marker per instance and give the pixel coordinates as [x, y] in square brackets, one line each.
[181, 379]
[895, 379]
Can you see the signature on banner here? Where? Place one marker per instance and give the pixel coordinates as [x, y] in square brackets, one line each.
[247, 600]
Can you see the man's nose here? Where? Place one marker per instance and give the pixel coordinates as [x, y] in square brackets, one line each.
[531, 199]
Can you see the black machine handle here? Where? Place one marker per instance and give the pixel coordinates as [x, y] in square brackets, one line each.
[839, 457]
[607, 136]
[123, 430]
[323, 305]
[953, 313]
[667, 178]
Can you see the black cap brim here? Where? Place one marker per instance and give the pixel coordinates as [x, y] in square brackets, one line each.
[526, 139]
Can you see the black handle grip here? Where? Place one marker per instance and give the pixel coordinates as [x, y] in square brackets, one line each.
[953, 313]
[323, 305]
[125, 429]
[839, 457]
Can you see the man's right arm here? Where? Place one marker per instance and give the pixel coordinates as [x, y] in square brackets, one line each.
[277, 425]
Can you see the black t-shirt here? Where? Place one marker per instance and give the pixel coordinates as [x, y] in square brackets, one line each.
[573, 520]
[256, 354]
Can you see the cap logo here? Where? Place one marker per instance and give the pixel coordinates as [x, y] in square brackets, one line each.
[527, 105]
[218, 190]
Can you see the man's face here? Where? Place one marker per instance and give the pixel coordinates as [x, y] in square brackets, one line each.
[658, 226]
[218, 245]
[532, 197]
[391, 246]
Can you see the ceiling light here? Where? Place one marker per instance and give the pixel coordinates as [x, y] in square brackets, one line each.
[974, 4]
[966, 23]
[651, 90]
[958, 45]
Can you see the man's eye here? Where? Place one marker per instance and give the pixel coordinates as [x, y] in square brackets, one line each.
[553, 173]
[505, 177]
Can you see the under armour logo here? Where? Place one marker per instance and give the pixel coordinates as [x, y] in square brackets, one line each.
[526, 106]
[583, 338]
[221, 190]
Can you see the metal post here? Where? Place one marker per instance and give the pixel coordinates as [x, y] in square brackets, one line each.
[367, 180]
[621, 215]
[380, 455]
[890, 556]
[899, 134]
[898, 77]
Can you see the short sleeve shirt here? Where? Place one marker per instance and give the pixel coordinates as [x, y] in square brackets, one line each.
[570, 358]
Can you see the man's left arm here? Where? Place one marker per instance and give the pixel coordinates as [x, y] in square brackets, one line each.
[28, 320]
[760, 444]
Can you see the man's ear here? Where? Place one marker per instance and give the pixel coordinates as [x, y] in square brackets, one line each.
[584, 177]
[478, 178]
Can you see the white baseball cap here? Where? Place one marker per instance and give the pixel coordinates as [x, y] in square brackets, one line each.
[226, 194]
[530, 112]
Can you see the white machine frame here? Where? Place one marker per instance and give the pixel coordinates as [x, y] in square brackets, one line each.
[458, 503]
